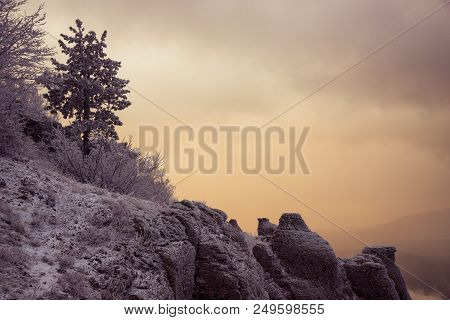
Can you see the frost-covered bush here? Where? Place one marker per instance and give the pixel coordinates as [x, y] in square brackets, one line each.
[22, 119]
[22, 58]
[115, 166]
[10, 137]
[76, 285]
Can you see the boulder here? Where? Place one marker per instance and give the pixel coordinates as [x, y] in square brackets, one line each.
[387, 256]
[265, 228]
[179, 262]
[302, 252]
[235, 224]
[369, 278]
[226, 271]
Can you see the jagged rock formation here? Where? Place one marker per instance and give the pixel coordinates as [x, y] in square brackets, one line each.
[387, 257]
[63, 240]
[265, 227]
[305, 255]
[235, 224]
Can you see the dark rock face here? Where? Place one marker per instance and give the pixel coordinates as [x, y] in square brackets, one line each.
[275, 274]
[265, 228]
[387, 256]
[225, 271]
[305, 256]
[303, 253]
[293, 221]
[369, 278]
[235, 224]
[299, 264]
[179, 263]
[224, 267]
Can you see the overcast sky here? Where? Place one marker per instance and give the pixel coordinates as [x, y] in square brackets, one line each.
[379, 145]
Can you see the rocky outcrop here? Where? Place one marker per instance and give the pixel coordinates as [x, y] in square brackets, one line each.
[369, 278]
[235, 224]
[307, 256]
[265, 227]
[387, 257]
[88, 243]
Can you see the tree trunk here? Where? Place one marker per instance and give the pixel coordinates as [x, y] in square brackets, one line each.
[86, 148]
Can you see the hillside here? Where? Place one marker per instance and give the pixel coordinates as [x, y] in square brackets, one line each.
[65, 240]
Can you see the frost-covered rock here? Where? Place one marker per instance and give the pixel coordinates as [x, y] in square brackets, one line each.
[387, 256]
[235, 224]
[265, 227]
[302, 252]
[60, 239]
[307, 256]
[369, 278]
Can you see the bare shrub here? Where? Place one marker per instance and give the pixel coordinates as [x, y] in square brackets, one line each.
[35, 243]
[53, 220]
[92, 237]
[47, 260]
[13, 265]
[121, 216]
[65, 262]
[76, 285]
[99, 192]
[11, 218]
[11, 256]
[115, 166]
[16, 108]
[50, 198]
[22, 42]
[9, 135]
[114, 215]
[101, 218]
[37, 219]
[118, 284]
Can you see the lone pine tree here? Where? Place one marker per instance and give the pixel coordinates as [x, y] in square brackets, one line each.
[86, 88]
